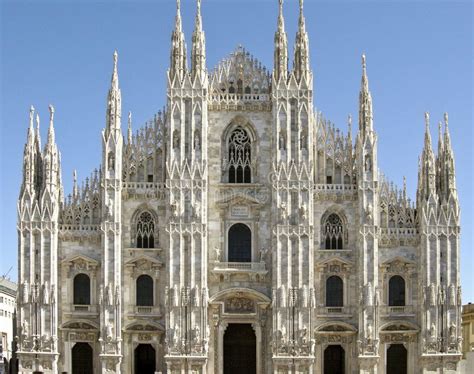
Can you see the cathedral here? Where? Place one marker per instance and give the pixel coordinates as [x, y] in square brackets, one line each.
[238, 231]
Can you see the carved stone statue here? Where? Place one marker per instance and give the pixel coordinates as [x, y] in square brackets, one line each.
[452, 332]
[25, 329]
[432, 290]
[283, 212]
[217, 253]
[101, 295]
[117, 295]
[281, 141]
[45, 292]
[26, 292]
[263, 254]
[110, 208]
[196, 335]
[303, 336]
[110, 297]
[458, 297]
[368, 164]
[109, 331]
[433, 330]
[304, 212]
[175, 139]
[197, 141]
[452, 295]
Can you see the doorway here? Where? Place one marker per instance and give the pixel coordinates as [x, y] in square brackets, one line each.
[397, 359]
[145, 359]
[334, 360]
[240, 349]
[82, 359]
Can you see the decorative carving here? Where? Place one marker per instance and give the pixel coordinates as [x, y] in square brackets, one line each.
[239, 305]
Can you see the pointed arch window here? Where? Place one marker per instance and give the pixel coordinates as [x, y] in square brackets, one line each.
[145, 231]
[82, 289]
[240, 243]
[144, 290]
[334, 292]
[332, 232]
[240, 156]
[396, 291]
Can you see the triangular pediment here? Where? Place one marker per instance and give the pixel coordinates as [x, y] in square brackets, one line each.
[80, 262]
[398, 264]
[239, 198]
[144, 262]
[334, 264]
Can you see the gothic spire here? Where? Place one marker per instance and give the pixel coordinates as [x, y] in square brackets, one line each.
[198, 57]
[281, 47]
[178, 46]
[129, 131]
[114, 100]
[51, 141]
[365, 103]
[427, 179]
[301, 59]
[448, 165]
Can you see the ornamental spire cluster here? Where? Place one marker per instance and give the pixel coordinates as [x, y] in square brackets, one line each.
[178, 47]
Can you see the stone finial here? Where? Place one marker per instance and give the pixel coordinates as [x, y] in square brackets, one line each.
[51, 113]
[301, 6]
[37, 121]
[178, 5]
[446, 119]
[32, 114]
[199, 6]
[427, 119]
[364, 62]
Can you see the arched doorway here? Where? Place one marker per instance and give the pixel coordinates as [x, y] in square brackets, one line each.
[334, 360]
[145, 359]
[240, 349]
[82, 362]
[397, 359]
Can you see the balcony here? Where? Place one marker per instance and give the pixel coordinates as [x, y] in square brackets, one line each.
[334, 312]
[146, 311]
[254, 271]
[397, 311]
[81, 310]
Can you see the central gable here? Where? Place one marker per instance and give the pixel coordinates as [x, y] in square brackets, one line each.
[240, 74]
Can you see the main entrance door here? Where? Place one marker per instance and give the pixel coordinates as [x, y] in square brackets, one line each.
[240, 349]
[145, 359]
[396, 359]
[334, 357]
[82, 358]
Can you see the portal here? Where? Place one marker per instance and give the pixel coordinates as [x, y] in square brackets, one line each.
[240, 349]
[145, 359]
[334, 360]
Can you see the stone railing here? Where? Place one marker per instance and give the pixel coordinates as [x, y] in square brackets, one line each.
[334, 311]
[405, 310]
[335, 191]
[144, 189]
[244, 266]
[234, 98]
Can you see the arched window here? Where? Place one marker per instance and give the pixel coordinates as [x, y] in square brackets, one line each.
[144, 290]
[145, 236]
[334, 292]
[396, 291]
[240, 243]
[332, 232]
[239, 153]
[82, 289]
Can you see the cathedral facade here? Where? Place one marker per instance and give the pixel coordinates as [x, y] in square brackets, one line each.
[238, 231]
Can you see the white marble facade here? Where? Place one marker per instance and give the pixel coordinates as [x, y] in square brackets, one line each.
[238, 204]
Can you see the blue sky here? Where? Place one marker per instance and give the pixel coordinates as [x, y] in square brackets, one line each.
[419, 56]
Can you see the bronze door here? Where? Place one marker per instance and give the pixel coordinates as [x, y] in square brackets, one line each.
[145, 359]
[334, 357]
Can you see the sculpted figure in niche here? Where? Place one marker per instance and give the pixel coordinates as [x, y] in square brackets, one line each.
[111, 161]
[109, 296]
[25, 291]
[304, 212]
[196, 335]
[197, 141]
[432, 295]
[109, 331]
[433, 330]
[304, 336]
[25, 328]
[282, 141]
[101, 295]
[45, 293]
[175, 139]
[117, 295]
[452, 332]
[368, 164]
[217, 253]
[459, 300]
[176, 336]
[303, 141]
[441, 296]
[452, 295]
[263, 254]
[53, 294]
[283, 212]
